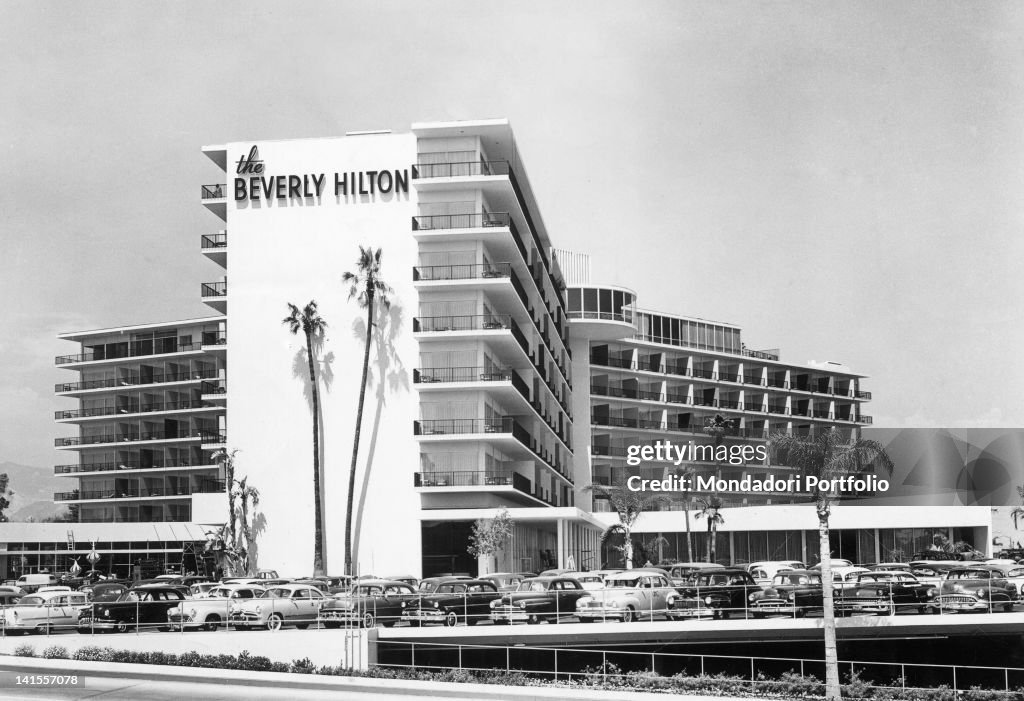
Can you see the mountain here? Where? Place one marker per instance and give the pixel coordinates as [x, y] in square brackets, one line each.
[33, 489]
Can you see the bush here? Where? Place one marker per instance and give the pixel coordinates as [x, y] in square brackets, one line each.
[24, 650]
[303, 666]
[55, 652]
[89, 653]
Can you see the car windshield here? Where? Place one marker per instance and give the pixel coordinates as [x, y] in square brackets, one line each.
[427, 586]
[32, 601]
[451, 588]
[789, 578]
[278, 593]
[622, 583]
[367, 591]
[969, 574]
[532, 586]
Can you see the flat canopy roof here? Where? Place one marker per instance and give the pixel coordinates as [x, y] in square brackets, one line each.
[84, 533]
[79, 335]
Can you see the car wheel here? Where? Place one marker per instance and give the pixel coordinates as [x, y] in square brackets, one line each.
[451, 619]
[212, 622]
[628, 615]
[121, 626]
[532, 620]
[388, 624]
[41, 629]
[275, 622]
[302, 626]
[800, 613]
[1008, 606]
[368, 621]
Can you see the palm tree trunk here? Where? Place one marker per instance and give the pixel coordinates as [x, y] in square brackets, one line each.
[359, 424]
[229, 470]
[832, 688]
[627, 548]
[711, 540]
[318, 524]
[689, 536]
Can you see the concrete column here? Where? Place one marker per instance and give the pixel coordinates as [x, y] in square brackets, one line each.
[561, 544]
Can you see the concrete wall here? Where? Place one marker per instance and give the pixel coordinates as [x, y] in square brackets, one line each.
[296, 251]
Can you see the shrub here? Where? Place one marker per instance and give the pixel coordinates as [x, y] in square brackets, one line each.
[89, 653]
[25, 650]
[303, 666]
[55, 652]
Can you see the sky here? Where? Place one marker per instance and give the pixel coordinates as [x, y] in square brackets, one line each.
[842, 180]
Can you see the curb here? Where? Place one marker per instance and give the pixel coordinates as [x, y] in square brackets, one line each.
[290, 680]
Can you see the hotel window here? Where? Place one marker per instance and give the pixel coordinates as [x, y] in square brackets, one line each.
[575, 300]
[589, 303]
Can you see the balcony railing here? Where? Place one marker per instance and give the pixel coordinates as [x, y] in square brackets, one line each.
[134, 380]
[865, 420]
[460, 221]
[460, 169]
[862, 395]
[481, 322]
[432, 427]
[125, 438]
[461, 272]
[214, 289]
[126, 465]
[625, 317]
[213, 437]
[215, 338]
[214, 241]
[133, 491]
[470, 374]
[213, 192]
[770, 354]
[135, 349]
[145, 408]
[218, 387]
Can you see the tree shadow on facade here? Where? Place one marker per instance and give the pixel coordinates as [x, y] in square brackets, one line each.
[387, 375]
[323, 368]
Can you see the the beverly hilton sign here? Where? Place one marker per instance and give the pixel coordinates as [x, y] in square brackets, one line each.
[252, 184]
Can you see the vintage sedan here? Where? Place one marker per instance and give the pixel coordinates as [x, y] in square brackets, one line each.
[212, 611]
[717, 593]
[628, 596]
[793, 592]
[105, 591]
[452, 602]
[538, 599]
[430, 584]
[884, 592]
[505, 581]
[370, 602]
[287, 604]
[763, 572]
[144, 606]
[975, 588]
[47, 609]
[681, 572]
[594, 581]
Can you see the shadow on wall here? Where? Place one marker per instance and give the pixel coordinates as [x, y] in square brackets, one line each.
[259, 525]
[387, 374]
[323, 368]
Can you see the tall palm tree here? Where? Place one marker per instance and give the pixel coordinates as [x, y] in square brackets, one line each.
[711, 509]
[308, 321]
[827, 456]
[628, 504]
[685, 476]
[368, 288]
[226, 459]
[1018, 511]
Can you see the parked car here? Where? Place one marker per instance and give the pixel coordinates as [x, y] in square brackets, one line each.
[47, 609]
[200, 590]
[681, 572]
[763, 572]
[835, 562]
[594, 581]
[29, 583]
[287, 604]
[405, 579]
[146, 605]
[792, 592]
[556, 572]
[453, 602]
[716, 593]
[213, 610]
[9, 597]
[932, 572]
[504, 581]
[430, 584]
[975, 588]
[537, 599]
[889, 567]
[883, 592]
[105, 591]
[1014, 573]
[370, 602]
[627, 596]
[846, 577]
[937, 556]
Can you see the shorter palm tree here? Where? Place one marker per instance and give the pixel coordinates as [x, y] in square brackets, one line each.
[246, 493]
[711, 508]
[628, 504]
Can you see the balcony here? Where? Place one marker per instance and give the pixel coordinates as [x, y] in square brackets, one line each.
[455, 427]
[135, 380]
[215, 342]
[215, 198]
[136, 492]
[74, 441]
[602, 326]
[434, 222]
[510, 483]
[865, 420]
[216, 391]
[136, 408]
[443, 376]
[460, 169]
[215, 247]
[862, 395]
[129, 465]
[215, 294]
[135, 349]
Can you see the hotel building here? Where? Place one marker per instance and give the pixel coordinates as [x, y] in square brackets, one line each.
[500, 377]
